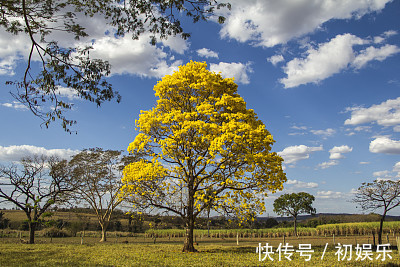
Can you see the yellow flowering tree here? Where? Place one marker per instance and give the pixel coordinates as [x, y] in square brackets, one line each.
[202, 146]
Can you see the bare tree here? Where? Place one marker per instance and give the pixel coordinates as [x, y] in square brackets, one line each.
[380, 194]
[96, 177]
[34, 186]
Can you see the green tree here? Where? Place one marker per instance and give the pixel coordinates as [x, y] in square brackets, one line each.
[204, 149]
[72, 67]
[293, 205]
[96, 179]
[380, 194]
[4, 222]
[35, 187]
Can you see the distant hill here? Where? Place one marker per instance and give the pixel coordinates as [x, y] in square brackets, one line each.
[342, 217]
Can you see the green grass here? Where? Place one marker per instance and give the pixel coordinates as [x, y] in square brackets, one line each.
[142, 252]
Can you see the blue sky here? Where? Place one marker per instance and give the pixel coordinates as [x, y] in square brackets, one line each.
[322, 75]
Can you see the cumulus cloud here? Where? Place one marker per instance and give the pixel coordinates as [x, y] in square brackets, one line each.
[269, 22]
[300, 184]
[293, 154]
[332, 57]
[237, 70]
[136, 57]
[127, 56]
[276, 59]
[15, 153]
[384, 145]
[373, 53]
[329, 58]
[385, 114]
[337, 151]
[207, 53]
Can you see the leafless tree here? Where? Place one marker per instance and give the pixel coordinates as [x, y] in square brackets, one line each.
[33, 186]
[96, 177]
[380, 194]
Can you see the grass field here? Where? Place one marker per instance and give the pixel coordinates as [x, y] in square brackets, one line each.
[141, 251]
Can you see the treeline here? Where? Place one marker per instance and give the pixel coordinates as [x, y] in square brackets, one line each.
[70, 221]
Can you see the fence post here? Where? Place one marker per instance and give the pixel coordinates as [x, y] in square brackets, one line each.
[237, 239]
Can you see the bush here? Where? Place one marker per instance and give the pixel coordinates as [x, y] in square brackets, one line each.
[4, 222]
[55, 232]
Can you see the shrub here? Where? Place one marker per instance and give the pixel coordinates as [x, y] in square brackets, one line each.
[55, 232]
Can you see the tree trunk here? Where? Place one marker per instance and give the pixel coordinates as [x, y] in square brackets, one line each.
[189, 225]
[381, 229]
[295, 226]
[103, 232]
[189, 236]
[32, 228]
[208, 223]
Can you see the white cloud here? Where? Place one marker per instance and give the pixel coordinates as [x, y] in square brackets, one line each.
[328, 164]
[270, 22]
[363, 128]
[329, 194]
[15, 105]
[386, 114]
[337, 151]
[207, 53]
[372, 53]
[364, 162]
[67, 92]
[293, 154]
[12, 49]
[384, 145]
[127, 56]
[383, 37]
[176, 44]
[300, 184]
[276, 59]
[329, 58]
[325, 133]
[299, 127]
[396, 168]
[237, 70]
[381, 174]
[332, 57]
[388, 175]
[136, 57]
[15, 153]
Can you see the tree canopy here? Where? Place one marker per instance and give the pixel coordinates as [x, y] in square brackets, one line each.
[72, 67]
[293, 205]
[380, 194]
[34, 187]
[202, 145]
[96, 179]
